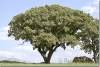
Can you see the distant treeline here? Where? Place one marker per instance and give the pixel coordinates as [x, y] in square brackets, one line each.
[7, 61]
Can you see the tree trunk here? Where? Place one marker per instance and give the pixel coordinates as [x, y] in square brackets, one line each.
[95, 56]
[48, 58]
[49, 55]
[47, 61]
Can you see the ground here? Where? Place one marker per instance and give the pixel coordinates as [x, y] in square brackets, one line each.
[50, 65]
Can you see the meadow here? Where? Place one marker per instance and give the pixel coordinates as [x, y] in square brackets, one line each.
[48, 65]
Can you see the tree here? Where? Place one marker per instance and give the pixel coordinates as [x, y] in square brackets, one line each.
[90, 39]
[49, 27]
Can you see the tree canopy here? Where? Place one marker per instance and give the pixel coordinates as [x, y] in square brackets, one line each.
[50, 27]
[90, 39]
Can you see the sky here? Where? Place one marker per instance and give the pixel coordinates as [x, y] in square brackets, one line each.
[9, 48]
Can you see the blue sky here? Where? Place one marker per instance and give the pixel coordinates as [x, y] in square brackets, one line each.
[9, 47]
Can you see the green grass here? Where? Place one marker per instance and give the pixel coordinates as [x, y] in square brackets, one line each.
[44, 65]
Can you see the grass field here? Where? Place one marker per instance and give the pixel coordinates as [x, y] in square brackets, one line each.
[46, 65]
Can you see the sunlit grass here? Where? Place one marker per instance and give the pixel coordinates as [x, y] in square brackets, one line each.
[69, 64]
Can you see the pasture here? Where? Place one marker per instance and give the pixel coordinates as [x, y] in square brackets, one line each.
[48, 65]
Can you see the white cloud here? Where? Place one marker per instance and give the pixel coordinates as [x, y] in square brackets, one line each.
[6, 28]
[60, 55]
[4, 34]
[92, 8]
[21, 53]
[26, 49]
[88, 9]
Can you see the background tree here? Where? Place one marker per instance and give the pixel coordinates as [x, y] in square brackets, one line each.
[90, 39]
[49, 27]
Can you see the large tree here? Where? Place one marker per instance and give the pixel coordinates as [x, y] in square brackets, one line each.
[49, 27]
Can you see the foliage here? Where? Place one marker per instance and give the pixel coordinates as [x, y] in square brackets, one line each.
[90, 39]
[82, 59]
[50, 27]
